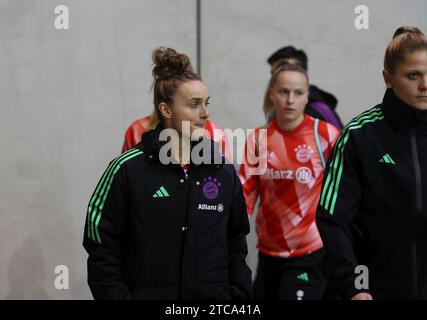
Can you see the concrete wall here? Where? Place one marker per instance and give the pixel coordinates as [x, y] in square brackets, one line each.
[66, 98]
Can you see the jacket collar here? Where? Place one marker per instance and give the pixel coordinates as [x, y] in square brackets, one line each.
[151, 145]
[400, 114]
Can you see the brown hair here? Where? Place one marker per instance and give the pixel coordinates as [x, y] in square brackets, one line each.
[405, 39]
[278, 68]
[170, 70]
[283, 61]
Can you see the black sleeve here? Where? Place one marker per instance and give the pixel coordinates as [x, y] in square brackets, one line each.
[240, 274]
[106, 217]
[338, 206]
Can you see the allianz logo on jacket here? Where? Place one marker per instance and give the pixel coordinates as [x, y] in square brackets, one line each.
[208, 207]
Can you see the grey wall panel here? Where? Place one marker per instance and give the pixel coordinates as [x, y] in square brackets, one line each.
[66, 99]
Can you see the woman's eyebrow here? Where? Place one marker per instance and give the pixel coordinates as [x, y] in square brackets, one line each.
[412, 71]
[195, 99]
[198, 99]
[290, 89]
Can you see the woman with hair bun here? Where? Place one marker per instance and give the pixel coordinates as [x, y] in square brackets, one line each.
[372, 214]
[170, 230]
[135, 131]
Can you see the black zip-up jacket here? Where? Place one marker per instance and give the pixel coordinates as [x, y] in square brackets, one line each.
[155, 232]
[373, 206]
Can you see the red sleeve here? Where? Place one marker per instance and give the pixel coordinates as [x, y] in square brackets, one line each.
[250, 181]
[134, 133]
[332, 134]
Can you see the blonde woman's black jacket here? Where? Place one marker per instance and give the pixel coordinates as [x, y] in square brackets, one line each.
[155, 232]
[373, 206]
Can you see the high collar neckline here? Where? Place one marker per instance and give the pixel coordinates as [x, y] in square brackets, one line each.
[401, 114]
[151, 144]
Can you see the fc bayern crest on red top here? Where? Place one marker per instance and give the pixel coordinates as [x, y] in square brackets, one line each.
[304, 153]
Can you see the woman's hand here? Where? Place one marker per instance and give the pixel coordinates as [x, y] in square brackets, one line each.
[362, 296]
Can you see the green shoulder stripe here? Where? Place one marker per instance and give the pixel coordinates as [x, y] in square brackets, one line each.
[96, 203]
[330, 189]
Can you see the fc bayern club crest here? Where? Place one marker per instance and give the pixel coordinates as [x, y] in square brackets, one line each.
[211, 188]
[304, 153]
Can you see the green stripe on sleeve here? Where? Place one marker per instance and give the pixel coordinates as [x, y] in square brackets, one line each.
[98, 199]
[107, 189]
[95, 195]
[330, 189]
[335, 158]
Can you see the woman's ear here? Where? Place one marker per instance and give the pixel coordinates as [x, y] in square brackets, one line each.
[165, 110]
[387, 78]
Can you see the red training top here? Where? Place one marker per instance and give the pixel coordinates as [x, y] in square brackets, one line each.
[290, 187]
